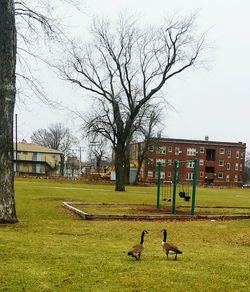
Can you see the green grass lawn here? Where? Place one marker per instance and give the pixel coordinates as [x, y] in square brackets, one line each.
[49, 250]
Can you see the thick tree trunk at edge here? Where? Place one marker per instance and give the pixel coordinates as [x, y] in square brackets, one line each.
[7, 103]
[120, 171]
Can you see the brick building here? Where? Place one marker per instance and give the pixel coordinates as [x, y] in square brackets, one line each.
[219, 163]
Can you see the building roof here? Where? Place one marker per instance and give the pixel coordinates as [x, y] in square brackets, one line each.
[200, 142]
[29, 147]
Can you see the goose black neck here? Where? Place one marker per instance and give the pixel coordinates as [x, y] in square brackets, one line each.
[142, 237]
[164, 235]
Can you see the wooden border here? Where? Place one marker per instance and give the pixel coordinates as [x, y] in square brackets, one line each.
[86, 216]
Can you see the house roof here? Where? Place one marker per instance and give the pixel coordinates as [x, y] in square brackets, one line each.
[29, 147]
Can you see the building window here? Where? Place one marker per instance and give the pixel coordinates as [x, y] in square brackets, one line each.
[229, 153]
[221, 162]
[202, 149]
[191, 151]
[189, 176]
[170, 149]
[222, 150]
[220, 175]
[241, 155]
[177, 150]
[240, 166]
[227, 178]
[169, 162]
[162, 162]
[150, 173]
[201, 162]
[150, 162]
[161, 150]
[190, 164]
[169, 174]
[228, 166]
[237, 154]
[236, 166]
[151, 148]
[236, 178]
[202, 174]
[162, 175]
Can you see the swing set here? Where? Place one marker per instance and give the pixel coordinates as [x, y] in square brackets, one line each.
[167, 189]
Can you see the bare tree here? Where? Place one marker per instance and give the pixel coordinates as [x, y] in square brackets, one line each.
[146, 130]
[56, 137]
[37, 30]
[10, 55]
[247, 168]
[124, 68]
[7, 103]
[98, 150]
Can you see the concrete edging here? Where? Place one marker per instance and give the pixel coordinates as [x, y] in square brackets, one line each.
[86, 216]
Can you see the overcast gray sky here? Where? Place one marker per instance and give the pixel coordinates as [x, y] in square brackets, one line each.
[212, 102]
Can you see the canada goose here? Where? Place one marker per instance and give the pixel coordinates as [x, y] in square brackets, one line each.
[136, 250]
[168, 247]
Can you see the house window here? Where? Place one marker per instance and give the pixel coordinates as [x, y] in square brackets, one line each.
[161, 150]
[220, 175]
[150, 173]
[236, 178]
[151, 148]
[162, 162]
[169, 174]
[202, 174]
[228, 166]
[191, 151]
[201, 162]
[241, 155]
[227, 178]
[190, 164]
[222, 150]
[221, 162]
[236, 166]
[202, 149]
[170, 149]
[177, 150]
[229, 153]
[169, 162]
[237, 154]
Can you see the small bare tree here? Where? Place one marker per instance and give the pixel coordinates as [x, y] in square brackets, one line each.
[146, 130]
[124, 68]
[56, 137]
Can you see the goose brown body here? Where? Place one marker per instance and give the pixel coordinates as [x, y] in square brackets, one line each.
[137, 249]
[168, 247]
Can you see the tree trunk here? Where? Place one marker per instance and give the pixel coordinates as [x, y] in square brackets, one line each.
[120, 170]
[7, 103]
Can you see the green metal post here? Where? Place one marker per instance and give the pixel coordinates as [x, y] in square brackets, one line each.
[158, 183]
[194, 186]
[174, 187]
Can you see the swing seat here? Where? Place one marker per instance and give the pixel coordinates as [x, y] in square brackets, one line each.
[187, 198]
[182, 194]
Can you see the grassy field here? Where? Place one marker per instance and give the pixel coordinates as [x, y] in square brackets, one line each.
[49, 250]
